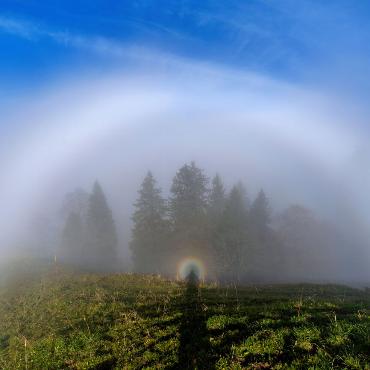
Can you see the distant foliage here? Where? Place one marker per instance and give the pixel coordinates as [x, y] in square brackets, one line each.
[260, 214]
[101, 241]
[76, 202]
[309, 245]
[150, 228]
[188, 215]
[236, 238]
[216, 201]
[232, 236]
[89, 238]
[73, 239]
[188, 201]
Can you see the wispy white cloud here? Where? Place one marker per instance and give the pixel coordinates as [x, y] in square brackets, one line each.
[96, 44]
[110, 48]
[19, 28]
[34, 32]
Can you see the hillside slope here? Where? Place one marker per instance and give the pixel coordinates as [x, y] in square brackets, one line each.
[57, 319]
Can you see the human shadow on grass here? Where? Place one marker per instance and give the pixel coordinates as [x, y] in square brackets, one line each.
[194, 349]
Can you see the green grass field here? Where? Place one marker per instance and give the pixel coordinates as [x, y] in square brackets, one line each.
[57, 319]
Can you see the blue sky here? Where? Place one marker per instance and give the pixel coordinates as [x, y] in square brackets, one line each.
[286, 39]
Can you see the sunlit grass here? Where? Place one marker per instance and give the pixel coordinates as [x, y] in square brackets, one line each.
[59, 319]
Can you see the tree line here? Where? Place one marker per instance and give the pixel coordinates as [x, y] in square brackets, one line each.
[236, 238]
[202, 220]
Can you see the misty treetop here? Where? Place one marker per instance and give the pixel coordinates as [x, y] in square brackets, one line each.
[188, 201]
[75, 202]
[89, 238]
[101, 230]
[230, 236]
[216, 200]
[237, 239]
[73, 237]
[260, 214]
[150, 228]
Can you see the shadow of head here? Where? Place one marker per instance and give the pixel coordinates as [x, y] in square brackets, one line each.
[192, 278]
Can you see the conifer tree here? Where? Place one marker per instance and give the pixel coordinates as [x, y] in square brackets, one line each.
[263, 249]
[72, 240]
[150, 229]
[243, 194]
[216, 207]
[188, 205]
[77, 202]
[232, 237]
[260, 214]
[189, 200]
[308, 243]
[101, 251]
[216, 201]
[73, 236]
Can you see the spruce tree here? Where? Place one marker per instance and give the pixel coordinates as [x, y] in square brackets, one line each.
[189, 200]
[73, 212]
[216, 207]
[188, 205]
[216, 201]
[243, 195]
[77, 202]
[231, 242]
[260, 214]
[263, 250]
[101, 251]
[308, 244]
[73, 237]
[150, 231]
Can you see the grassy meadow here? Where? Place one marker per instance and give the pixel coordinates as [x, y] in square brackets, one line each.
[54, 318]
